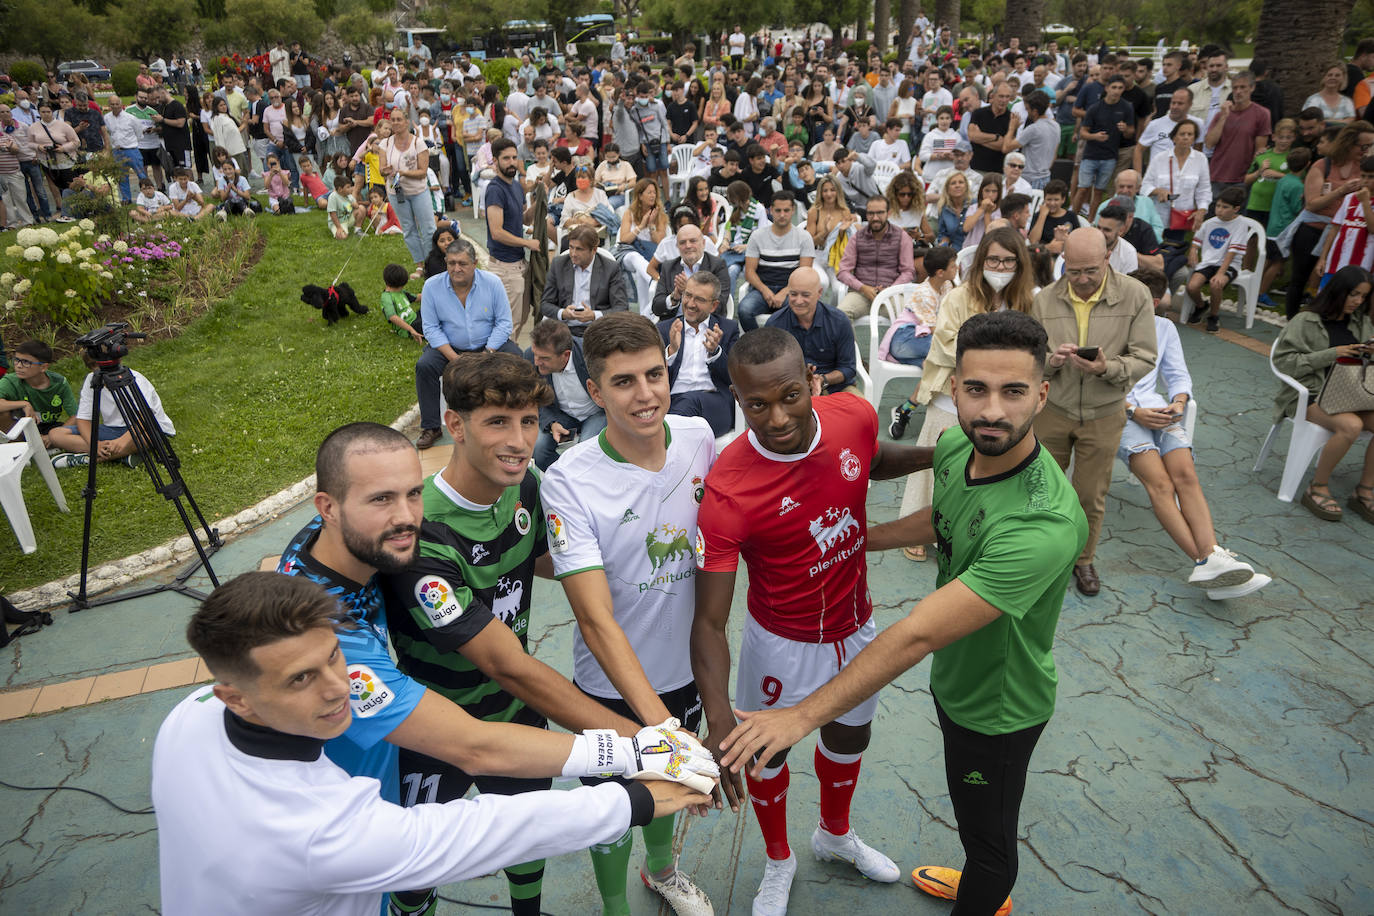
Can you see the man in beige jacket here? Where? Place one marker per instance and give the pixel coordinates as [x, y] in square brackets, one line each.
[1101, 342]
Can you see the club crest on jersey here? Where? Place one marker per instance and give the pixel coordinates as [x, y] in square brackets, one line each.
[701, 550]
[832, 527]
[438, 599]
[671, 545]
[788, 504]
[558, 535]
[850, 465]
[698, 490]
[505, 604]
[522, 519]
[368, 694]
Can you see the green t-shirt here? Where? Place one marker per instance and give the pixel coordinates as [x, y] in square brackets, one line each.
[1286, 205]
[52, 404]
[475, 568]
[398, 303]
[1012, 540]
[1262, 191]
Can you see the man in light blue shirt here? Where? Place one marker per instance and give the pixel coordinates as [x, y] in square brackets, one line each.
[463, 310]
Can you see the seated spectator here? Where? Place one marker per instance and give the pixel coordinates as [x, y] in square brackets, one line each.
[703, 151]
[312, 185]
[343, 211]
[854, 172]
[380, 215]
[34, 390]
[1054, 221]
[557, 354]
[234, 193]
[583, 202]
[614, 175]
[906, 207]
[1127, 186]
[939, 143]
[825, 335]
[963, 155]
[1216, 253]
[1335, 326]
[952, 208]
[773, 141]
[728, 170]
[1155, 446]
[986, 210]
[443, 237]
[769, 259]
[185, 197]
[1013, 168]
[150, 204]
[878, 256]
[581, 285]
[908, 340]
[276, 181]
[1016, 212]
[759, 174]
[642, 227]
[114, 442]
[398, 306]
[694, 253]
[746, 216]
[465, 310]
[698, 345]
[889, 148]
[1117, 218]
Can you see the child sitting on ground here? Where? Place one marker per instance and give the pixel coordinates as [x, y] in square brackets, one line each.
[312, 185]
[150, 204]
[232, 188]
[381, 214]
[343, 211]
[33, 390]
[277, 183]
[186, 197]
[114, 442]
[398, 305]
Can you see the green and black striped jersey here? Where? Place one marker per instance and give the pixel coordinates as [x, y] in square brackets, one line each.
[475, 568]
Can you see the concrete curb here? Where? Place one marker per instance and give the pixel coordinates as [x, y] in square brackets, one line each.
[118, 573]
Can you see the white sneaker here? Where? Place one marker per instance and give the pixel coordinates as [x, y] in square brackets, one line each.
[1249, 586]
[776, 887]
[1221, 569]
[682, 895]
[849, 848]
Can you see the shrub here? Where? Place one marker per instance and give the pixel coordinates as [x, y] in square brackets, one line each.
[57, 277]
[122, 75]
[28, 72]
[497, 70]
[858, 50]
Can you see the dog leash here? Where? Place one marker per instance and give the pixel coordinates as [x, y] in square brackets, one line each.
[370, 223]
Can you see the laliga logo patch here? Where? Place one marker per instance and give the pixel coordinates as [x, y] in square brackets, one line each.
[522, 519]
[850, 466]
[368, 694]
[558, 538]
[437, 599]
[701, 550]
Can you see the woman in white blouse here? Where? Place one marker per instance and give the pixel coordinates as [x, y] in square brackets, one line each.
[1180, 181]
[1336, 108]
[747, 106]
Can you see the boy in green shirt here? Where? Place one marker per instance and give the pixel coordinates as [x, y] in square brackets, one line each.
[34, 391]
[1285, 207]
[404, 318]
[342, 209]
[1268, 168]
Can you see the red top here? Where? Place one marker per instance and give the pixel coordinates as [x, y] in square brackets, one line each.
[800, 523]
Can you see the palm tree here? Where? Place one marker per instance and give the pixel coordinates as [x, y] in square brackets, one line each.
[947, 14]
[1024, 20]
[1299, 39]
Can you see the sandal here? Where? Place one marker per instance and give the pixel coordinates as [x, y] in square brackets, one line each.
[916, 554]
[1363, 505]
[1322, 505]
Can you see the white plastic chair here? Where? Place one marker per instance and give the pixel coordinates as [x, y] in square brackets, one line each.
[1306, 440]
[1247, 282]
[25, 444]
[681, 157]
[862, 379]
[883, 173]
[887, 305]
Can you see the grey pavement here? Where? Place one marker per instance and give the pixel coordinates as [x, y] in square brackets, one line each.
[1205, 757]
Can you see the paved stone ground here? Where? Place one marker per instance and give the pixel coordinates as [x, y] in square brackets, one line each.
[1205, 757]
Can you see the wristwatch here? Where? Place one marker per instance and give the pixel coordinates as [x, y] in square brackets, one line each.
[1130, 412]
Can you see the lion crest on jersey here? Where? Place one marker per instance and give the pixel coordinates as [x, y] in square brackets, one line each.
[666, 543]
[832, 527]
[506, 601]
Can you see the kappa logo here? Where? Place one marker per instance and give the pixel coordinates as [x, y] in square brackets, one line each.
[438, 599]
[368, 694]
[558, 537]
[628, 517]
[832, 528]
[478, 552]
[788, 504]
[850, 465]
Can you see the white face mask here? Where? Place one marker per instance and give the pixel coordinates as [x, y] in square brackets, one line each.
[424, 120]
[998, 279]
[25, 104]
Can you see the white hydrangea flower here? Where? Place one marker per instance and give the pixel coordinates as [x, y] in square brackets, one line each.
[71, 233]
[107, 275]
[33, 253]
[103, 238]
[70, 294]
[27, 236]
[64, 257]
[23, 286]
[14, 251]
[86, 254]
[87, 225]
[47, 236]
[6, 278]
[121, 246]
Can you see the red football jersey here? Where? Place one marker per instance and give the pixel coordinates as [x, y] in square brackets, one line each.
[800, 523]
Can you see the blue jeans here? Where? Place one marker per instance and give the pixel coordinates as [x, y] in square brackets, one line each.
[36, 186]
[134, 160]
[753, 311]
[734, 263]
[546, 449]
[906, 348]
[416, 214]
[1096, 173]
[288, 162]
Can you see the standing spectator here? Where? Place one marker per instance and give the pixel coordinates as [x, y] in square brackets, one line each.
[988, 130]
[279, 59]
[1111, 318]
[506, 217]
[1239, 132]
[150, 135]
[737, 45]
[1105, 124]
[1156, 140]
[1177, 74]
[88, 123]
[227, 135]
[356, 118]
[123, 130]
[175, 124]
[300, 65]
[56, 144]
[1266, 170]
[1037, 140]
[1143, 107]
[405, 166]
[1328, 181]
[877, 256]
[1213, 89]
[1181, 186]
[770, 258]
[1267, 90]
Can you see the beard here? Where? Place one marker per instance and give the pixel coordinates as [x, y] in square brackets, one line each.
[510, 171]
[373, 552]
[989, 447]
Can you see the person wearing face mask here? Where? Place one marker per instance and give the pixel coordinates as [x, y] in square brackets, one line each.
[878, 256]
[999, 278]
[405, 166]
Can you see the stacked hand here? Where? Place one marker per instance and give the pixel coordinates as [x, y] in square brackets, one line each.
[665, 752]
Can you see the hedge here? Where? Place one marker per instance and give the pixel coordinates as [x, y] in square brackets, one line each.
[122, 76]
[28, 72]
[497, 70]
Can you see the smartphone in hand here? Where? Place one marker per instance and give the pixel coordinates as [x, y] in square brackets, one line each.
[1088, 353]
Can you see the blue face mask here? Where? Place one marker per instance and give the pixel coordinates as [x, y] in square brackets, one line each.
[641, 102]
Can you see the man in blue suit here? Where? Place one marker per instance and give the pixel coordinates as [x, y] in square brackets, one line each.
[698, 345]
[557, 354]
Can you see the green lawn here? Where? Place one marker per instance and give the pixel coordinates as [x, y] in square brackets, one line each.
[252, 387]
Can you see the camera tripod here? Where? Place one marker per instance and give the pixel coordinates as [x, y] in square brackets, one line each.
[156, 456]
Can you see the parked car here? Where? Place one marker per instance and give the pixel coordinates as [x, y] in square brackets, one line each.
[91, 70]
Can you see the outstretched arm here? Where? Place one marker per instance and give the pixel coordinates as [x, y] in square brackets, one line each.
[711, 667]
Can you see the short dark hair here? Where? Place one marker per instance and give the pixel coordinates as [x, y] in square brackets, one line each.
[1154, 280]
[560, 153]
[330, 474]
[1115, 78]
[1233, 196]
[784, 197]
[1311, 114]
[497, 379]
[1038, 101]
[754, 150]
[39, 350]
[764, 345]
[938, 258]
[502, 144]
[1299, 157]
[552, 334]
[1114, 211]
[253, 610]
[1056, 186]
[618, 332]
[1014, 203]
[394, 275]
[1006, 330]
[707, 279]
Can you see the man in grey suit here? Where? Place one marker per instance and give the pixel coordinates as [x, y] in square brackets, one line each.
[557, 354]
[698, 345]
[692, 257]
[581, 287]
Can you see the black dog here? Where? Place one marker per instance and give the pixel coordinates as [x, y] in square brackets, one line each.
[333, 301]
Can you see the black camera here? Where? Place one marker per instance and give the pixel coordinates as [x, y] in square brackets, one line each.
[107, 345]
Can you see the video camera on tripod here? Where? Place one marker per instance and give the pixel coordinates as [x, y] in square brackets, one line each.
[106, 346]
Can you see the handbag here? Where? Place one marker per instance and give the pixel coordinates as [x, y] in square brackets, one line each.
[289, 141]
[1178, 219]
[1349, 387]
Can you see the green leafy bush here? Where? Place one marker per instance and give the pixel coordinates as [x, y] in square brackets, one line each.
[122, 76]
[28, 72]
[59, 278]
[858, 50]
[497, 70]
